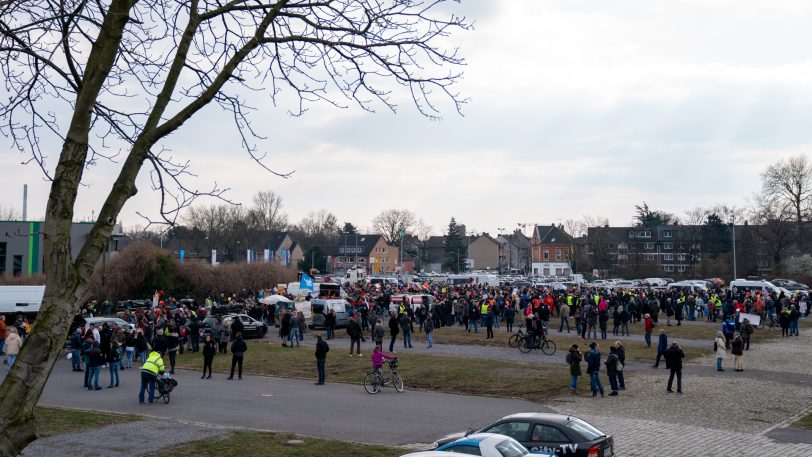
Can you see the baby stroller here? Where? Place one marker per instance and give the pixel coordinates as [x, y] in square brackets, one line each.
[165, 386]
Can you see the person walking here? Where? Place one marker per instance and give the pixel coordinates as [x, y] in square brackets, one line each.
[150, 369]
[747, 332]
[13, 345]
[377, 333]
[719, 347]
[737, 349]
[621, 356]
[76, 350]
[209, 350]
[648, 325]
[238, 349]
[662, 346]
[321, 358]
[428, 327]
[612, 368]
[673, 360]
[3, 332]
[574, 358]
[593, 367]
[356, 335]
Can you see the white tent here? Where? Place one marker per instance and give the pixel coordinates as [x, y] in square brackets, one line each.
[274, 299]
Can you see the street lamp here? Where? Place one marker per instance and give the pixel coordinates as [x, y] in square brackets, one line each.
[733, 229]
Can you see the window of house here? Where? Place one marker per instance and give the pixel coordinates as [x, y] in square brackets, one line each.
[631, 234]
[681, 257]
[18, 265]
[648, 256]
[383, 250]
[644, 234]
[668, 257]
[362, 260]
[622, 256]
[668, 234]
[558, 254]
[3, 251]
[668, 245]
[668, 268]
[681, 268]
[546, 254]
[649, 245]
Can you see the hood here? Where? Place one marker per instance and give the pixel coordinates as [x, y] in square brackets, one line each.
[448, 438]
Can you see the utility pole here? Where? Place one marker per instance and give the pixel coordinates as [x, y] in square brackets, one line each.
[733, 227]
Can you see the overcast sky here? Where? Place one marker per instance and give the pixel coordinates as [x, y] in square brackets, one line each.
[577, 107]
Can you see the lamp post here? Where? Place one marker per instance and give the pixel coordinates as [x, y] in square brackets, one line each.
[733, 228]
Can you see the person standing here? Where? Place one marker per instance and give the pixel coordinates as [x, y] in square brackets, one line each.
[428, 327]
[209, 350]
[129, 349]
[238, 349]
[737, 349]
[510, 316]
[294, 329]
[13, 345]
[593, 367]
[574, 358]
[355, 333]
[172, 345]
[612, 369]
[564, 312]
[321, 358]
[662, 346]
[405, 326]
[150, 369]
[489, 318]
[76, 350]
[394, 328]
[3, 332]
[114, 363]
[673, 359]
[648, 325]
[95, 361]
[747, 332]
[719, 347]
[377, 333]
[330, 323]
[621, 356]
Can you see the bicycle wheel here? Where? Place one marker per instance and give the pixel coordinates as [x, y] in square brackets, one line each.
[397, 381]
[548, 347]
[761, 323]
[166, 397]
[371, 383]
[514, 340]
[523, 347]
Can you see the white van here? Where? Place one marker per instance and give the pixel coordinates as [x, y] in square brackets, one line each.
[687, 286]
[21, 299]
[754, 285]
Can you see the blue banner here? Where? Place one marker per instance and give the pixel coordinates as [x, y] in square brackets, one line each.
[306, 283]
[182, 254]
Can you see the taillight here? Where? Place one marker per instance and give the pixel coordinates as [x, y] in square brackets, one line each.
[593, 452]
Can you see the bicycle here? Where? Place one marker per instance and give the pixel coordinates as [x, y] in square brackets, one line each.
[771, 323]
[517, 337]
[165, 385]
[531, 342]
[373, 381]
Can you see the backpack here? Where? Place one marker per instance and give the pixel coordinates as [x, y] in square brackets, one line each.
[568, 358]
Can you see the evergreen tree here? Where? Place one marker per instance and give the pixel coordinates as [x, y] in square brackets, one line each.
[455, 251]
[716, 238]
[349, 229]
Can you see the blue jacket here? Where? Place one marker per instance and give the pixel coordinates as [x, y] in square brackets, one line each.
[662, 345]
[593, 361]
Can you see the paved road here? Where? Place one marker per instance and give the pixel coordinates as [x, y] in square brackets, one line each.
[336, 410]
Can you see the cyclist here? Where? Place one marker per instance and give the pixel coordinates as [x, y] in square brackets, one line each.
[377, 360]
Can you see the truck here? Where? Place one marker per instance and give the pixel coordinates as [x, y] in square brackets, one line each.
[21, 299]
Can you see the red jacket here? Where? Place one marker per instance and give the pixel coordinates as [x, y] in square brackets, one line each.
[649, 325]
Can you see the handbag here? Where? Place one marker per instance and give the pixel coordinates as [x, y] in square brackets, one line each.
[619, 367]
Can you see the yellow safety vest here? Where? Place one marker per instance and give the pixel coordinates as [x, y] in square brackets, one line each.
[154, 363]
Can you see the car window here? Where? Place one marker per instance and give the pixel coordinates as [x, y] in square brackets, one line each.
[245, 320]
[515, 430]
[511, 448]
[547, 434]
[586, 430]
[464, 449]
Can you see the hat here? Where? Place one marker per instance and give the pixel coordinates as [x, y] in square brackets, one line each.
[592, 345]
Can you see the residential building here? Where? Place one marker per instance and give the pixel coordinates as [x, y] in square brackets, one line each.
[484, 252]
[551, 251]
[515, 252]
[370, 251]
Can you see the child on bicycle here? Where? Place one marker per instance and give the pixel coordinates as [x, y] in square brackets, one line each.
[377, 359]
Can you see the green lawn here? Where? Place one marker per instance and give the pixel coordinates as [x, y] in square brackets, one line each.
[259, 444]
[56, 421]
[804, 422]
[440, 373]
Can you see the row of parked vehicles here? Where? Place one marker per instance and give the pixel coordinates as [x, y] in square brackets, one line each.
[526, 434]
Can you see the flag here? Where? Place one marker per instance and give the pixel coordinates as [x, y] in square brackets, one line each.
[249, 255]
[306, 283]
[285, 255]
[214, 256]
[267, 255]
[182, 254]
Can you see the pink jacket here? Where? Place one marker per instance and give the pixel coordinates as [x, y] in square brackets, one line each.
[377, 359]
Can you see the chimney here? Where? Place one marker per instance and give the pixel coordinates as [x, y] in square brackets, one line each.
[25, 202]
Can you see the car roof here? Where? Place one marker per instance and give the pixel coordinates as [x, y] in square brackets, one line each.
[549, 417]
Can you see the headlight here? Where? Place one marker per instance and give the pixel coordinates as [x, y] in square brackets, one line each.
[435, 445]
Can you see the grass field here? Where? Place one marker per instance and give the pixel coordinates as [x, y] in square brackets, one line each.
[259, 444]
[804, 422]
[56, 421]
[439, 373]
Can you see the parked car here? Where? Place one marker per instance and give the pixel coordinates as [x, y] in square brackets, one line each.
[319, 307]
[489, 445]
[110, 321]
[125, 305]
[252, 327]
[556, 433]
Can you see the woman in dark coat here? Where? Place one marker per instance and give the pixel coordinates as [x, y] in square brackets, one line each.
[209, 350]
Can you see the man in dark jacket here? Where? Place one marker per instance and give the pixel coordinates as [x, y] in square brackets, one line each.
[354, 331]
[321, 357]
[673, 359]
[593, 366]
[236, 327]
[574, 358]
[406, 326]
[394, 329]
[238, 348]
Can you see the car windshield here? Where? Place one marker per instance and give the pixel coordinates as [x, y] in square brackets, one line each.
[586, 430]
[510, 448]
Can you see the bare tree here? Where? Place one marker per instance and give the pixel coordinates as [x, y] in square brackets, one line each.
[422, 230]
[789, 183]
[132, 72]
[774, 227]
[319, 227]
[394, 223]
[9, 213]
[266, 214]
